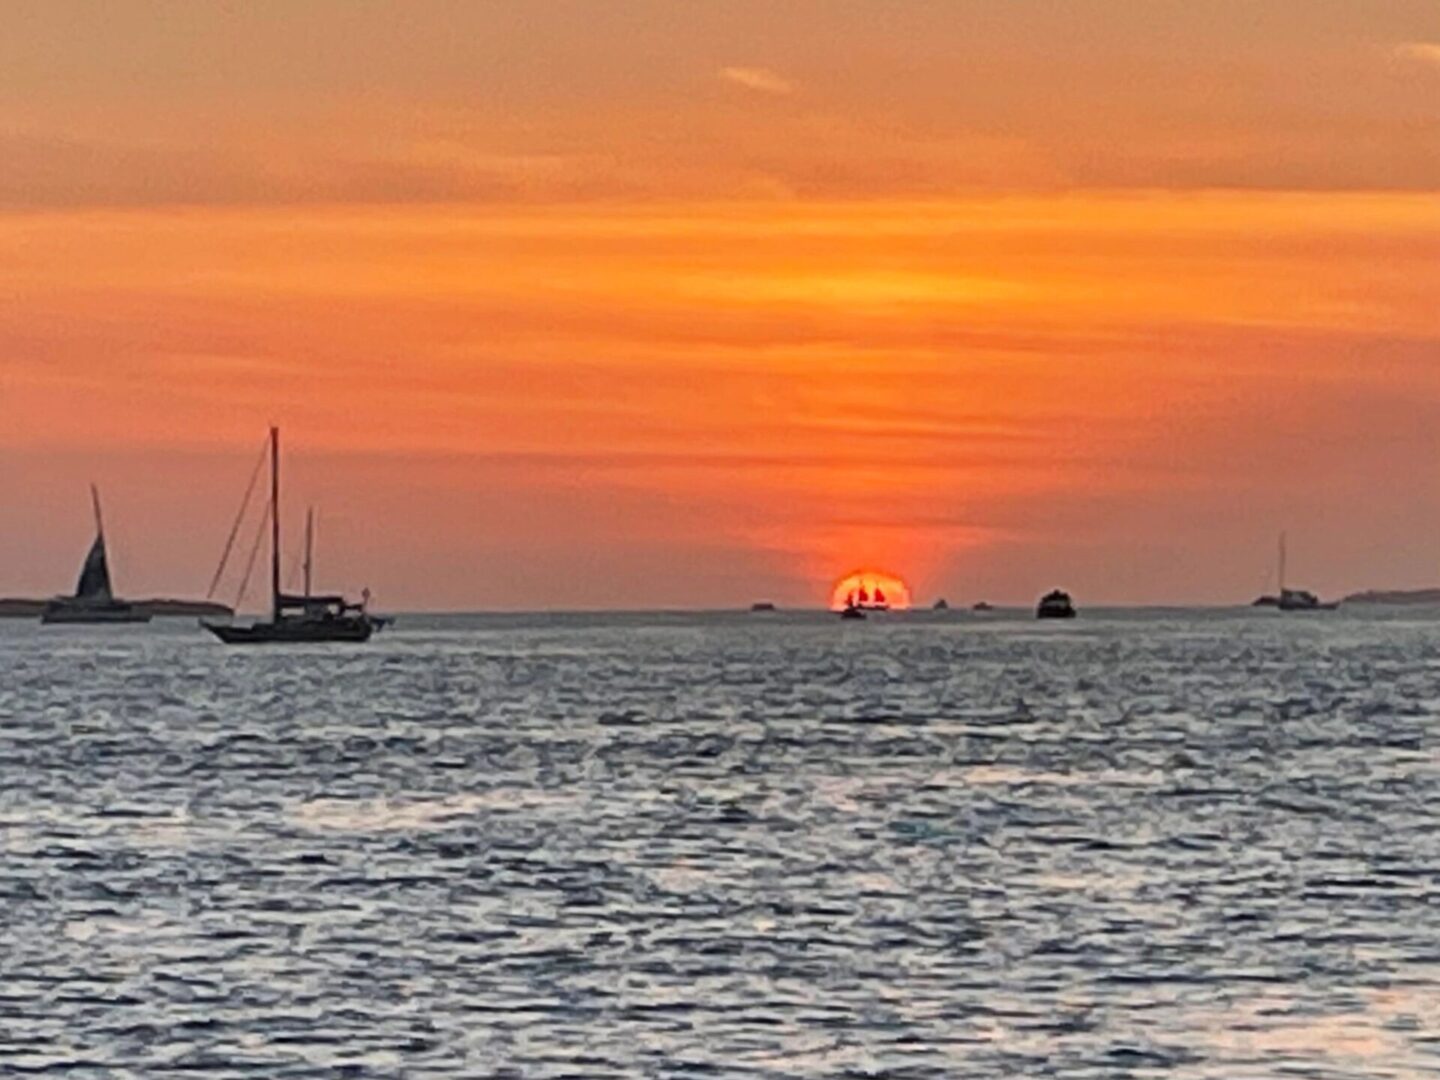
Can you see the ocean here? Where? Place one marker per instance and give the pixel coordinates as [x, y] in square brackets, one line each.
[1147, 843]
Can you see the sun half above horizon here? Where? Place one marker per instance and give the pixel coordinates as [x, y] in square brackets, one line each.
[870, 587]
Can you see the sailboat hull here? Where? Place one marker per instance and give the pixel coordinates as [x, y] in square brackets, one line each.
[299, 631]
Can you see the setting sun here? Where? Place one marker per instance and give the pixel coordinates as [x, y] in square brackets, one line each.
[870, 588]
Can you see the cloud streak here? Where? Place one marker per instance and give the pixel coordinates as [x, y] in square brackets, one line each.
[1426, 52]
[761, 80]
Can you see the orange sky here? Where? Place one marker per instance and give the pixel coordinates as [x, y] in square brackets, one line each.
[568, 304]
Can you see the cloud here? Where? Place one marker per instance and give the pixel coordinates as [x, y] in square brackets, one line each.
[1427, 52]
[759, 79]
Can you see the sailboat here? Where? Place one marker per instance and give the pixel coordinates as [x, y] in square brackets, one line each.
[94, 601]
[852, 609]
[871, 599]
[1293, 599]
[298, 619]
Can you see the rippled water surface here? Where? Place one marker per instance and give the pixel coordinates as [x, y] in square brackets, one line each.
[1189, 845]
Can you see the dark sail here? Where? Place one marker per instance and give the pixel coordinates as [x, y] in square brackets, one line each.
[94, 581]
[93, 601]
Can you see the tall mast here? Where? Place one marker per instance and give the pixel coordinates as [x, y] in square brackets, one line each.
[275, 523]
[309, 546]
[1282, 562]
[99, 522]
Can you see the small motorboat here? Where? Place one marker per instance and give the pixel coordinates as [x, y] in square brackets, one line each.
[1055, 604]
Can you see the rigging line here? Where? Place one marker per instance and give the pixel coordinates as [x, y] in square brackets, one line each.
[254, 551]
[296, 565]
[297, 561]
[235, 528]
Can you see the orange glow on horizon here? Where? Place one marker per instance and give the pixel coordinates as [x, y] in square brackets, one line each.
[870, 586]
[582, 394]
[674, 311]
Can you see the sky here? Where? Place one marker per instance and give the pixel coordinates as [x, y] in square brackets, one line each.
[639, 303]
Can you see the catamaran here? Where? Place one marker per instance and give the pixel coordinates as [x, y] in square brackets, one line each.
[94, 601]
[303, 618]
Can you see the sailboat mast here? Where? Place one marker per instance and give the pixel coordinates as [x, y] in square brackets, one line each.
[1282, 562]
[309, 546]
[99, 521]
[275, 523]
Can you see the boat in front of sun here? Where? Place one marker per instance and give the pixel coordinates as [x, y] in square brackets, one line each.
[94, 600]
[298, 619]
[863, 599]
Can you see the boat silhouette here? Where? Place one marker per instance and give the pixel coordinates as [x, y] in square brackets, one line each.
[94, 600]
[1292, 599]
[1055, 604]
[304, 618]
[863, 599]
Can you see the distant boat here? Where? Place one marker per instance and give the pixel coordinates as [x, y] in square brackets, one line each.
[852, 611]
[1292, 599]
[1301, 600]
[863, 599]
[305, 618]
[762, 605]
[941, 605]
[1055, 605]
[94, 601]
[983, 606]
